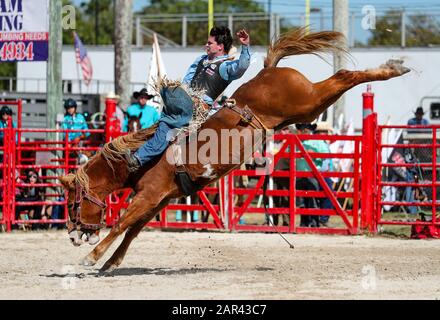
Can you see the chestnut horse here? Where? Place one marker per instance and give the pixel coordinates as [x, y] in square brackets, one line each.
[276, 97]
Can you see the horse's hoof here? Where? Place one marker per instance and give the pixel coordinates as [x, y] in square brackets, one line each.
[88, 262]
[397, 65]
[108, 267]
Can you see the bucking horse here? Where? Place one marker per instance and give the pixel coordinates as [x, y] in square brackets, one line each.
[274, 98]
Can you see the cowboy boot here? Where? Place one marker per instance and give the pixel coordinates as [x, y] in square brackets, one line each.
[133, 163]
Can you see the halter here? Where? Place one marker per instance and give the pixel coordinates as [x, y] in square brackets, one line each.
[81, 194]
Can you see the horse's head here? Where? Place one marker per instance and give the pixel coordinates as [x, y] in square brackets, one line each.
[134, 124]
[86, 212]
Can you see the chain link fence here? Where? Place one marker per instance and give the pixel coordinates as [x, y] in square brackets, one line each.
[366, 27]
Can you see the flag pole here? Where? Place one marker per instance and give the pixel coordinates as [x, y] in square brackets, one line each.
[77, 67]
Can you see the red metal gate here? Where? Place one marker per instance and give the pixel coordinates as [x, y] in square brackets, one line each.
[408, 167]
[293, 149]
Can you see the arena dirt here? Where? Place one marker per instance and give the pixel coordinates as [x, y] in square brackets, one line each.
[211, 265]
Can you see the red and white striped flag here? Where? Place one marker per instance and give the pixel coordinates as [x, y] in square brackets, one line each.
[83, 59]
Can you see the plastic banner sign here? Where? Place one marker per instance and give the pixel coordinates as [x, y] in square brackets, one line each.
[24, 30]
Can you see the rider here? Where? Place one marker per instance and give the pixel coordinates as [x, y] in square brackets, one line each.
[212, 72]
[147, 114]
[74, 121]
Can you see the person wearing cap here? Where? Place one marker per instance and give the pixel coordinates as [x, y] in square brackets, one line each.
[146, 113]
[212, 73]
[418, 120]
[6, 114]
[74, 121]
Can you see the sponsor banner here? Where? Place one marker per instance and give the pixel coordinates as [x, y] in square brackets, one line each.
[24, 30]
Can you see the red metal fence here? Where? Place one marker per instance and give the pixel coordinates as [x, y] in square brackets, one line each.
[293, 150]
[408, 184]
[354, 196]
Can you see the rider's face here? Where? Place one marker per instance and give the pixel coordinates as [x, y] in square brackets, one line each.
[142, 101]
[213, 49]
[71, 110]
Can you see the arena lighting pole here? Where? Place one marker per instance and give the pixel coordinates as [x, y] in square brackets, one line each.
[340, 24]
[54, 67]
[307, 19]
[210, 15]
[369, 151]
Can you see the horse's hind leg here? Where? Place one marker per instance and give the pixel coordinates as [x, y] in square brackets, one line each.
[135, 212]
[334, 87]
[117, 257]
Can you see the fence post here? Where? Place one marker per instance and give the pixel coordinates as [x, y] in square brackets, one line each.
[112, 125]
[7, 183]
[369, 148]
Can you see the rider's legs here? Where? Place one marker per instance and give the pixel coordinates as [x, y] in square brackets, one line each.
[150, 149]
[177, 113]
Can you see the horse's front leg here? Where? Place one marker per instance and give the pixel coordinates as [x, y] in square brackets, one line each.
[117, 257]
[135, 211]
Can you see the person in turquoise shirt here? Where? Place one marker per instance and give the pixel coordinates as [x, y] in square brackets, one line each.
[147, 114]
[5, 114]
[74, 121]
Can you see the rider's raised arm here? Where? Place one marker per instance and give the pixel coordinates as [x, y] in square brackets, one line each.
[232, 70]
[192, 70]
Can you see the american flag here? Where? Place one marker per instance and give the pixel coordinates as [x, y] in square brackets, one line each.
[83, 59]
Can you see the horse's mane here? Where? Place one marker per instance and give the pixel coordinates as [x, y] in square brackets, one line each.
[113, 151]
[299, 41]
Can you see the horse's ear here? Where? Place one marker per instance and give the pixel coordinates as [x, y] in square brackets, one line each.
[68, 181]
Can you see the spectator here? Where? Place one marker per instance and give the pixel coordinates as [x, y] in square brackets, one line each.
[5, 115]
[146, 113]
[74, 121]
[412, 175]
[418, 120]
[31, 194]
[324, 128]
[307, 184]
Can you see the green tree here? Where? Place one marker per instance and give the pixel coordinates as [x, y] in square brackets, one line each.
[197, 31]
[86, 22]
[421, 30]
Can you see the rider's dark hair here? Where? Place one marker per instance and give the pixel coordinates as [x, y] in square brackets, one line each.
[223, 36]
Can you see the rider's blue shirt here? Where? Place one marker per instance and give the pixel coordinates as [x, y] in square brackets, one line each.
[75, 122]
[149, 115]
[229, 70]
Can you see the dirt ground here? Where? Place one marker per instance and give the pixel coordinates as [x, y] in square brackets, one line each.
[214, 265]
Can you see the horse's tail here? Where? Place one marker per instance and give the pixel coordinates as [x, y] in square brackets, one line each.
[299, 41]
